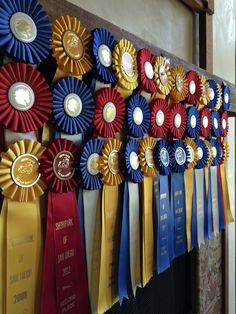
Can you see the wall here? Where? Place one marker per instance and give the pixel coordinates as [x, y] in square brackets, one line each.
[157, 21]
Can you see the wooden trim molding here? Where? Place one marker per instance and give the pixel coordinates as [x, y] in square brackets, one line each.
[91, 21]
[200, 5]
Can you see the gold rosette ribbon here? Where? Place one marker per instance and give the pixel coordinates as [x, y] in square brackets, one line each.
[225, 155]
[146, 147]
[163, 77]
[70, 44]
[210, 156]
[189, 185]
[111, 222]
[205, 97]
[219, 99]
[179, 88]
[125, 67]
[20, 238]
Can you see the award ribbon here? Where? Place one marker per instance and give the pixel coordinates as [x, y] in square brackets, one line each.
[189, 180]
[162, 205]
[21, 185]
[194, 87]
[224, 122]
[138, 116]
[160, 118]
[145, 62]
[215, 128]
[72, 105]
[179, 89]
[179, 163]
[226, 97]
[205, 116]
[70, 44]
[25, 98]
[103, 44]
[193, 122]
[92, 183]
[205, 97]
[25, 31]
[64, 284]
[201, 197]
[146, 156]
[125, 66]
[178, 117]
[109, 163]
[109, 113]
[214, 94]
[163, 77]
[135, 176]
[219, 99]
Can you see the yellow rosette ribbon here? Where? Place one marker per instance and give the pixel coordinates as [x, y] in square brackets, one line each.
[125, 66]
[179, 88]
[225, 155]
[163, 77]
[219, 99]
[109, 164]
[205, 96]
[146, 147]
[70, 44]
[189, 184]
[21, 236]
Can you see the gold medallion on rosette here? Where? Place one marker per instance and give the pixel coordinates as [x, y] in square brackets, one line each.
[125, 67]
[146, 157]
[219, 99]
[20, 179]
[109, 162]
[210, 155]
[179, 88]
[70, 44]
[163, 77]
[205, 97]
[192, 148]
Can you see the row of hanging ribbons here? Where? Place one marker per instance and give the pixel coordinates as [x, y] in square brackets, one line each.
[108, 172]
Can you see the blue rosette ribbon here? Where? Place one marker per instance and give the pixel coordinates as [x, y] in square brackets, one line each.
[103, 43]
[179, 156]
[25, 30]
[138, 116]
[193, 122]
[203, 154]
[89, 165]
[226, 97]
[215, 127]
[132, 165]
[162, 157]
[214, 94]
[73, 106]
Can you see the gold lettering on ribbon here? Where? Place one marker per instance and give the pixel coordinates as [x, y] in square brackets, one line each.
[64, 224]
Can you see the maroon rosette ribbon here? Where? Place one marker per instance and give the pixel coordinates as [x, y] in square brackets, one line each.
[146, 61]
[224, 122]
[160, 118]
[109, 112]
[205, 116]
[58, 166]
[25, 98]
[178, 120]
[194, 87]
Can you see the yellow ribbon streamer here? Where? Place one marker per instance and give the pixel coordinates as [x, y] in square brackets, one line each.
[228, 213]
[188, 182]
[3, 257]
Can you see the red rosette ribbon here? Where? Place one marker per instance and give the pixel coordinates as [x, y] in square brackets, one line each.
[58, 166]
[178, 120]
[146, 61]
[205, 116]
[109, 113]
[194, 87]
[25, 98]
[224, 122]
[160, 118]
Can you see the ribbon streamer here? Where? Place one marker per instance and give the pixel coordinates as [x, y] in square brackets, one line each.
[25, 31]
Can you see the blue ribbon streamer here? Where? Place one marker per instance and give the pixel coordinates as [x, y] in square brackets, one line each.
[123, 273]
[90, 181]
[162, 207]
[179, 212]
[33, 52]
[215, 129]
[208, 211]
[68, 124]
[192, 131]
[134, 175]
[101, 36]
[80, 208]
[226, 91]
[194, 217]
[220, 202]
[134, 129]
[162, 155]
